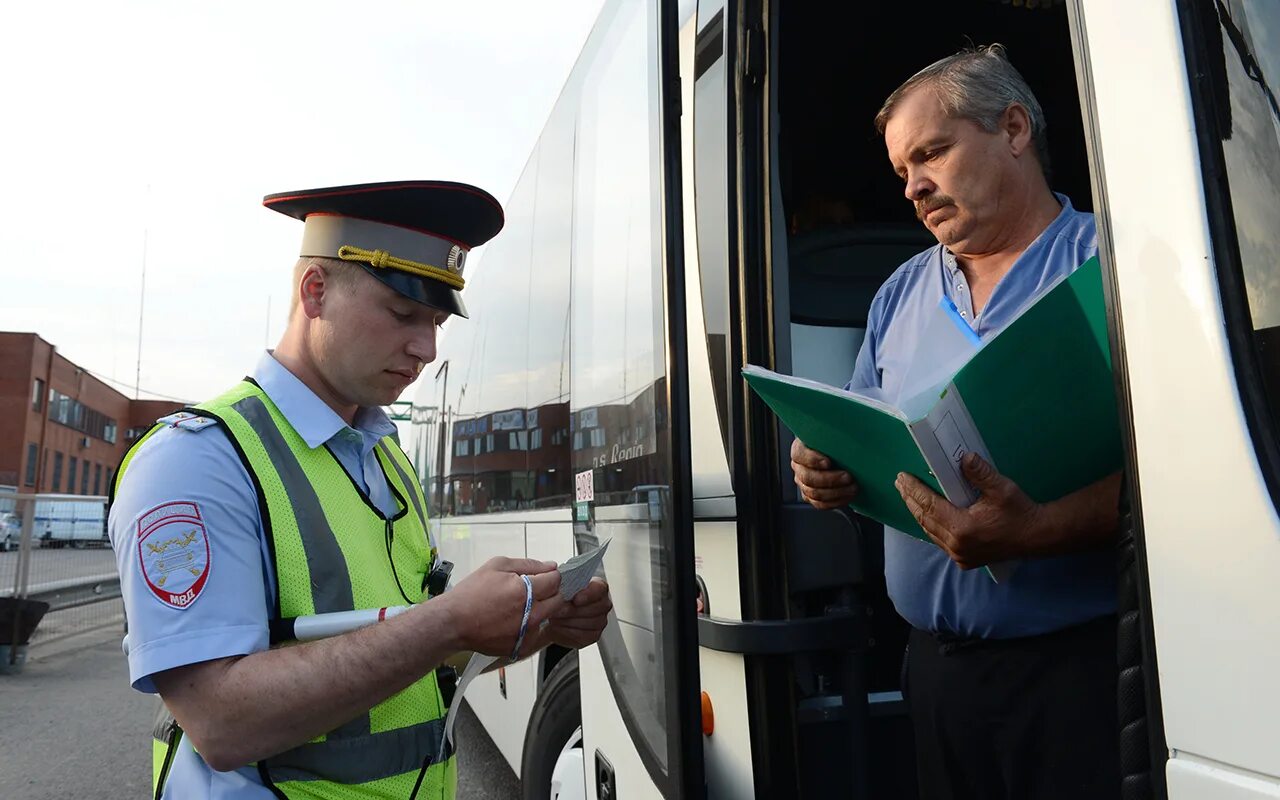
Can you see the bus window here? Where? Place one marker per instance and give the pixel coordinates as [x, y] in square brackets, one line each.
[500, 443]
[457, 410]
[618, 396]
[1242, 56]
[548, 341]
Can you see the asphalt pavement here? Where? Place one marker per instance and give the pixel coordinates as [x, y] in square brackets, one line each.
[49, 565]
[71, 727]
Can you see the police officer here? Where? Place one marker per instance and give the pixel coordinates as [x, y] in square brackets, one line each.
[288, 496]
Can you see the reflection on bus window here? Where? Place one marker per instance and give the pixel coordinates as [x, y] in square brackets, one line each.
[1250, 48]
[619, 394]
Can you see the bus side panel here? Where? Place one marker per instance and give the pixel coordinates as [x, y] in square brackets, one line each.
[1193, 779]
[550, 541]
[506, 718]
[1212, 537]
[728, 749]
[469, 544]
[604, 732]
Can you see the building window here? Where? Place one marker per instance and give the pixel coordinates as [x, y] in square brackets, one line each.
[84, 477]
[33, 462]
[57, 472]
[71, 475]
[97, 479]
[71, 412]
[37, 395]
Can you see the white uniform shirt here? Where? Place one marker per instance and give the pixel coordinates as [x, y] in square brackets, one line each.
[195, 570]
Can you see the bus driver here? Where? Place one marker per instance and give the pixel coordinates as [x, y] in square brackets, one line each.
[1011, 686]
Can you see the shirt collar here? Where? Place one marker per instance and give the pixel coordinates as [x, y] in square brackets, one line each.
[314, 421]
[949, 258]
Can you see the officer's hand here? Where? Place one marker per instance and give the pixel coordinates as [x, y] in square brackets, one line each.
[581, 621]
[998, 527]
[487, 606]
[821, 486]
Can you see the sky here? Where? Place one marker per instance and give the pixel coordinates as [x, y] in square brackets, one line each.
[145, 133]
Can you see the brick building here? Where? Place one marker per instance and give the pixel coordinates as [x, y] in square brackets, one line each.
[61, 429]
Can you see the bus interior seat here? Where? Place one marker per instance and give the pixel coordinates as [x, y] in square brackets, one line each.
[835, 273]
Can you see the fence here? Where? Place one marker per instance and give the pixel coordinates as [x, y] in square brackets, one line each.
[54, 549]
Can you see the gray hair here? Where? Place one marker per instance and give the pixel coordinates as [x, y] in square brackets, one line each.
[978, 84]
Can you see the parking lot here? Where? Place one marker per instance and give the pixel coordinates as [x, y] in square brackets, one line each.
[81, 583]
[50, 564]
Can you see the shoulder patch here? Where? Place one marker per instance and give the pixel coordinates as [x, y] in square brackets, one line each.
[174, 553]
[187, 421]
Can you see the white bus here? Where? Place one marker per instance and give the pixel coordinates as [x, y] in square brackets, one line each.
[709, 192]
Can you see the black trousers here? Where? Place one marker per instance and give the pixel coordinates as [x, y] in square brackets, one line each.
[1016, 719]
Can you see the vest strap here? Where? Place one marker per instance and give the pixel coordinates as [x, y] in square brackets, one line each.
[367, 758]
[407, 481]
[330, 581]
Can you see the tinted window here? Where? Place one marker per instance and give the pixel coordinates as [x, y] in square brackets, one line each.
[547, 420]
[33, 451]
[502, 481]
[1242, 39]
[452, 480]
[618, 362]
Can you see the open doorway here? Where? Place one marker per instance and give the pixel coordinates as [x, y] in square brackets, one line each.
[847, 225]
[841, 225]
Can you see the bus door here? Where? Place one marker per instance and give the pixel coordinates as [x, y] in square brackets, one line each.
[801, 613]
[1186, 135]
[629, 410]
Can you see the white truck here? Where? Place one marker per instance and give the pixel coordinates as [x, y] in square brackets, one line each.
[70, 520]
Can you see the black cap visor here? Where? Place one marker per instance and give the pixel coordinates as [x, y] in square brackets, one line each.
[428, 291]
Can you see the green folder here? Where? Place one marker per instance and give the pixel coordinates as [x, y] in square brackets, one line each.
[1037, 401]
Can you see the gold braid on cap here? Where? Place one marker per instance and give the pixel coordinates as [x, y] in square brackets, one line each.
[384, 260]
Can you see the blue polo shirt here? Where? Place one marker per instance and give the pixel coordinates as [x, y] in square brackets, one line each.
[927, 588]
[199, 474]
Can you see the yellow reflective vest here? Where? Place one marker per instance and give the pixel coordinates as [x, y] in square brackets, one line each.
[334, 551]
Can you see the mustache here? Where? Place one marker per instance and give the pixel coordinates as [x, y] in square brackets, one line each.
[932, 203]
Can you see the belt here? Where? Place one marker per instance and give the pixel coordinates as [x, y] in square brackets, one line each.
[951, 643]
